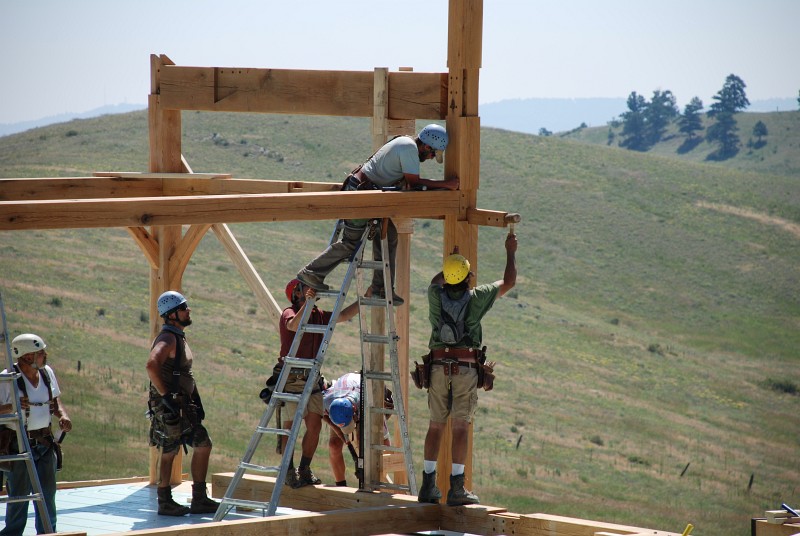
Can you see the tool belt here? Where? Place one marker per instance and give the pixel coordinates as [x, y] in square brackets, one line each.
[457, 353]
[452, 359]
[355, 182]
[40, 434]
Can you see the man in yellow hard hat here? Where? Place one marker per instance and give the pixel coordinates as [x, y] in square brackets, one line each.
[457, 365]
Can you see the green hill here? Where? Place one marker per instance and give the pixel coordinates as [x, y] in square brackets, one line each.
[647, 357]
[777, 152]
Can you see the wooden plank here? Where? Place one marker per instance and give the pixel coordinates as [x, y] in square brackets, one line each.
[130, 184]
[762, 527]
[552, 525]
[76, 188]
[334, 93]
[136, 212]
[314, 498]
[360, 522]
[490, 218]
[474, 519]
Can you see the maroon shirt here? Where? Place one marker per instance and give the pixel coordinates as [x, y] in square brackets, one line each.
[310, 343]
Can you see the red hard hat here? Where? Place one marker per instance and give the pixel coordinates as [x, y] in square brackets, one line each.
[290, 288]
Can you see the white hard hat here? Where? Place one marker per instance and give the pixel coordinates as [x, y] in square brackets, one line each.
[27, 343]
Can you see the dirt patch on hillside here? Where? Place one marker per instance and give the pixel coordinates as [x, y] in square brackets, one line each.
[781, 223]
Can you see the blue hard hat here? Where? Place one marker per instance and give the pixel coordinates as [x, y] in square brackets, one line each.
[435, 136]
[169, 301]
[341, 412]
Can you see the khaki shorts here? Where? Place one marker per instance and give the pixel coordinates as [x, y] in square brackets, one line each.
[295, 384]
[465, 394]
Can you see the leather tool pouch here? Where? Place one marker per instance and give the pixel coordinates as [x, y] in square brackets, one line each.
[421, 375]
[485, 371]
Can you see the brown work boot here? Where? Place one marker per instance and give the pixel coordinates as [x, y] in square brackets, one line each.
[458, 494]
[168, 507]
[429, 493]
[312, 280]
[201, 504]
[305, 477]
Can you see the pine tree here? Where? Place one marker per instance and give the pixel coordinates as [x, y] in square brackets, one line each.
[691, 122]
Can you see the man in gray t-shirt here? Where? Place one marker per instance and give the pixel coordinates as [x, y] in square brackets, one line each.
[396, 162]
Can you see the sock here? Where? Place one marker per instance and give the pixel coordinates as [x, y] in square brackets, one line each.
[458, 469]
[342, 483]
[305, 462]
[430, 466]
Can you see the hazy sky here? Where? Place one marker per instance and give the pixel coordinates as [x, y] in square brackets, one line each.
[62, 56]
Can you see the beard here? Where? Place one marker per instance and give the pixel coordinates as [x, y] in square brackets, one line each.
[184, 323]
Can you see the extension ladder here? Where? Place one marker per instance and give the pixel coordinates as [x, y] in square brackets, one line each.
[312, 367]
[23, 445]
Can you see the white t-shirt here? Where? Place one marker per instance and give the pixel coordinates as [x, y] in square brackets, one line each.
[38, 397]
[392, 161]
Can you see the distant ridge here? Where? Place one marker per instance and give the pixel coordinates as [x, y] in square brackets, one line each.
[13, 128]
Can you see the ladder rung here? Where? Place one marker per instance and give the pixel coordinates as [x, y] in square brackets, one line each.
[371, 265]
[16, 457]
[314, 328]
[278, 431]
[386, 448]
[287, 397]
[373, 302]
[9, 417]
[328, 293]
[389, 485]
[378, 339]
[378, 375]
[259, 468]
[22, 498]
[298, 362]
[256, 505]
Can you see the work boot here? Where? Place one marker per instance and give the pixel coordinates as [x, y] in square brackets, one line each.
[168, 507]
[201, 504]
[291, 478]
[381, 293]
[429, 493]
[305, 477]
[458, 495]
[312, 280]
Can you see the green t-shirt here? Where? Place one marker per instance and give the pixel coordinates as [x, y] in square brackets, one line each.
[483, 297]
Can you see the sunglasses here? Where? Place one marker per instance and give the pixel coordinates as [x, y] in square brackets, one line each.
[183, 307]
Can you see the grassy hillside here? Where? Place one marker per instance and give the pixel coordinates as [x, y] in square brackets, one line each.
[647, 355]
[778, 152]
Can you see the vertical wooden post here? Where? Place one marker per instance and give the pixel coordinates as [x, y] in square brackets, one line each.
[165, 157]
[462, 159]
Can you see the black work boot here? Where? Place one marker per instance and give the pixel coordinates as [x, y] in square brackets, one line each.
[168, 507]
[429, 493]
[201, 504]
[305, 477]
[458, 495]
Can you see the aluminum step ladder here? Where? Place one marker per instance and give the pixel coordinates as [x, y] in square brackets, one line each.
[292, 362]
[373, 380]
[23, 445]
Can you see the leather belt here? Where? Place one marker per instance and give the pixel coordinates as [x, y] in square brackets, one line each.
[455, 353]
[41, 433]
[447, 363]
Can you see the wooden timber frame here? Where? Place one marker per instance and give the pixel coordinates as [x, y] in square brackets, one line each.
[168, 210]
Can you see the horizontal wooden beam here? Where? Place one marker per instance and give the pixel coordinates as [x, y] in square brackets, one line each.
[491, 218]
[335, 93]
[317, 499]
[117, 185]
[180, 210]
